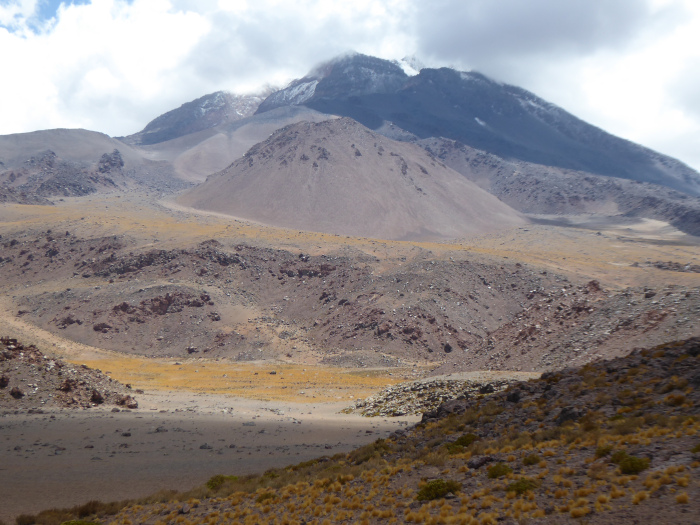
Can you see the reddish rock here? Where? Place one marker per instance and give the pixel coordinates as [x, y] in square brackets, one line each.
[128, 402]
[97, 398]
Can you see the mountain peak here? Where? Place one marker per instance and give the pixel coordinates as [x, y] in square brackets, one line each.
[351, 74]
[411, 65]
[203, 113]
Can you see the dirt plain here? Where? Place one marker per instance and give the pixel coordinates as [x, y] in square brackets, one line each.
[196, 310]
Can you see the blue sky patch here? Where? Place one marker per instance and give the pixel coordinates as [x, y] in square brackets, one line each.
[47, 8]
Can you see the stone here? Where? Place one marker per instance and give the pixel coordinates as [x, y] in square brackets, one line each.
[97, 398]
[16, 393]
[479, 461]
[128, 402]
[514, 396]
[567, 414]
[487, 389]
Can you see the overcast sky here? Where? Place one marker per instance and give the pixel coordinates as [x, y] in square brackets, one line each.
[631, 67]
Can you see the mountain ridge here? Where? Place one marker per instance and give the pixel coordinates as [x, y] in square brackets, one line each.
[471, 108]
[205, 112]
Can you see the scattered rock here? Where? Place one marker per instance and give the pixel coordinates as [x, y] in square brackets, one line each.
[479, 461]
[97, 398]
[16, 393]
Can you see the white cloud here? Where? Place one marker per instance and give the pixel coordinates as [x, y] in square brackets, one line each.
[629, 66]
[97, 66]
[14, 14]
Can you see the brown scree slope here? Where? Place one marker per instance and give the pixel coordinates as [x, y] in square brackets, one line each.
[339, 177]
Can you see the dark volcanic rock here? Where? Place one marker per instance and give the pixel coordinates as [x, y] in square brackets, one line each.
[110, 162]
[16, 393]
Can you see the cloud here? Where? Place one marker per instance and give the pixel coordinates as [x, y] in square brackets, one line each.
[277, 41]
[94, 64]
[114, 65]
[14, 14]
[505, 38]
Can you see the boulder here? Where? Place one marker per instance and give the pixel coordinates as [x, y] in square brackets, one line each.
[479, 461]
[97, 398]
[16, 393]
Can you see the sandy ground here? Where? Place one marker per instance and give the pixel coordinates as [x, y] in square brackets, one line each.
[173, 441]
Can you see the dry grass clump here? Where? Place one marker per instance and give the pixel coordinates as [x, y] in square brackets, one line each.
[531, 459]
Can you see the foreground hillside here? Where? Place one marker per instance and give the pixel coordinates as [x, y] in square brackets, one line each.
[608, 441]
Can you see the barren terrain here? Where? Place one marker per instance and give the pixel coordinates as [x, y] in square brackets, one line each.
[339, 177]
[222, 323]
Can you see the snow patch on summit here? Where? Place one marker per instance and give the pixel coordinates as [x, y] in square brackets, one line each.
[295, 95]
[537, 106]
[410, 65]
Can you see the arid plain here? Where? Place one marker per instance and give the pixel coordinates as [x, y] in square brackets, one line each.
[242, 343]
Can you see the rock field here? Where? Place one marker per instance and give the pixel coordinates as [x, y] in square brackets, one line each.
[31, 381]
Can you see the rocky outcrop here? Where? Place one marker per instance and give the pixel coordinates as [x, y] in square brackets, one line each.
[110, 162]
[34, 381]
[427, 397]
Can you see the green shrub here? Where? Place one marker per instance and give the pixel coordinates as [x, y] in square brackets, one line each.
[532, 459]
[215, 482]
[618, 456]
[498, 470]
[603, 451]
[633, 465]
[521, 486]
[695, 449]
[461, 443]
[89, 508]
[629, 464]
[437, 488]
[25, 519]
